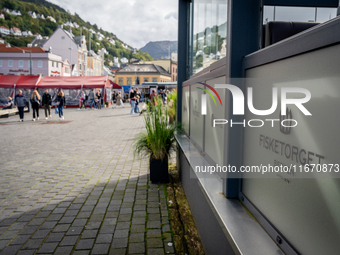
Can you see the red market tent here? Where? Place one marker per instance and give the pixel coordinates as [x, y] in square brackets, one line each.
[74, 82]
[19, 81]
[115, 85]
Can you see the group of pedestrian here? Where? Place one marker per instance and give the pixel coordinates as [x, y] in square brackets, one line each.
[134, 100]
[95, 100]
[117, 99]
[21, 101]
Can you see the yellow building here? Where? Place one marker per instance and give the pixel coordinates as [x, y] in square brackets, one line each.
[136, 74]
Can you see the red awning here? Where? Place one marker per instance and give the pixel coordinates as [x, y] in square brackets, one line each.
[115, 85]
[21, 81]
[74, 82]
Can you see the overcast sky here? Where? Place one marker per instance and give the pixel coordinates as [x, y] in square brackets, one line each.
[135, 22]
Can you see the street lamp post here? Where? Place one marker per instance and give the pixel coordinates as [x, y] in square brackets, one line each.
[30, 62]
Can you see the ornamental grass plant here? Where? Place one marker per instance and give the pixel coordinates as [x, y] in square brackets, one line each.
[159, 138]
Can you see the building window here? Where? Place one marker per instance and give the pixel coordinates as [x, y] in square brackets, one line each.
[10, 63]
[40, 64]
[120, 81]
[208, 38]
[52, 63]
[79, 66]
[21, 63]
[29, 61]
[154, 79]
[66, 70]
[57, 64]
[146, 79]
[128, 81]
[0, 63]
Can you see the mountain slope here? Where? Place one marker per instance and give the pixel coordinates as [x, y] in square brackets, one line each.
[160, 49]
[45, 27]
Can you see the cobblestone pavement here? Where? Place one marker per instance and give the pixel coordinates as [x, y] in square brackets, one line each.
[73, 187]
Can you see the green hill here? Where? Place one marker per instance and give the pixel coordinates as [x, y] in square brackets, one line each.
[45, 27]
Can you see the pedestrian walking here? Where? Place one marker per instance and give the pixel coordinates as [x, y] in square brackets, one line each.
[47, 102]
[35, 101]
[137, 104]
[113, 98]
[20, 101]
[91, 97]
[132, 101]
[99, 96]
[82, 100]
[61, 103]
[9, 104]
[119, 100]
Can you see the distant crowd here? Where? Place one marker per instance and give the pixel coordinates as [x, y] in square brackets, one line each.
[46, 100]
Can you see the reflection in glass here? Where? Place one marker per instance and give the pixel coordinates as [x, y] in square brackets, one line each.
[208, 33]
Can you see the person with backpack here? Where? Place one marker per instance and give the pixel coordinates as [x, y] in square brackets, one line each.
[99, 96]
[35, 101]
[47, 102]
[20, 101]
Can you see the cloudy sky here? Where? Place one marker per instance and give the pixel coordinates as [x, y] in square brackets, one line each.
[136, 22]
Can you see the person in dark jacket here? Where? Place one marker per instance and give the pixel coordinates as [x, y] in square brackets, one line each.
[20, 101]
[47, 102]
[61, 103]
[9, 104]
[35, 101]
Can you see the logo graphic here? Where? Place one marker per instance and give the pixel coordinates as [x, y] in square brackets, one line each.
[287, 128]
[204, 97]
[239, 99]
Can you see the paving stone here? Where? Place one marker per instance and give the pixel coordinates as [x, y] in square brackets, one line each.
[85, 244]
[137, 228]
[26, 252]
[153, 224]
[9, 250]
[63, 250]
[55, 237]
[107, 230]
[153, 233]
[156, 251]
[136, 248]
[138, 221]
[41, 234]
[32, 244]
[121, 233]
[136, 238]
[81, 252]
[69, 240]
[123, 225]
[117, 252]
[100, 249]
[61, 228]
[89, 234]
[154, 242]
[48, 248]
[20, 239]
[74, 231]
[104, 238]
[119, 243]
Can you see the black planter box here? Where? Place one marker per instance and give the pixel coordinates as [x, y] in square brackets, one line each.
[159, 170]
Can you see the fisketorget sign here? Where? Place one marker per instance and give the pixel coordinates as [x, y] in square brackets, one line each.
[285, 121]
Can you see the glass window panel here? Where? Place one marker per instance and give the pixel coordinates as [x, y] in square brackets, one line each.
[214, 136]
[185, 108]
[209, 31]
[196, 118]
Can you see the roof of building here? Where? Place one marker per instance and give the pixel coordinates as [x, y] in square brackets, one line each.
[21, 49]
[143, 68]
[15, 28]
[3, 27]
[39, 42]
